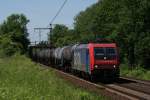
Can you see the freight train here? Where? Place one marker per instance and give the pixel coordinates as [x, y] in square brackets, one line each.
[91, 60]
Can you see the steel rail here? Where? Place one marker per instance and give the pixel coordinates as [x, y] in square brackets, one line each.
[146, 82]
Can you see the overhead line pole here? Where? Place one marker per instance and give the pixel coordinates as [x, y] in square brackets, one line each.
[40, 29]
[50, 28]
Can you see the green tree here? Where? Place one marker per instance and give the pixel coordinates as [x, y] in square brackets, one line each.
[14, 28]
[61, 36]
[125, 21]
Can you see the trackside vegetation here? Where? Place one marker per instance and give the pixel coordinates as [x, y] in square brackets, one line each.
[138, 72]
[21, 79]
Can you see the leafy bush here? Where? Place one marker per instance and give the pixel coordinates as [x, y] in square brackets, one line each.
[7, 47]
[137, 72]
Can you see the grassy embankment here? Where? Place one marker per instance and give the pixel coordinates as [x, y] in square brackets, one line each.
[137, 72]
[21, 79]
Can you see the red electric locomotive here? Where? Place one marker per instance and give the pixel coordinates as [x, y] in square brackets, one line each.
[96, 60]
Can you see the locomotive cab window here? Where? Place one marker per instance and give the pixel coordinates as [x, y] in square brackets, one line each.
[110, 53]
[99, 53]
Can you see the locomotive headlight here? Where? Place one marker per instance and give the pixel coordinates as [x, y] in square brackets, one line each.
[96, 66]
[114, 66]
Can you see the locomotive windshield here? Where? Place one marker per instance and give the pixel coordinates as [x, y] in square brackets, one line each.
[99, 53]
[105, 53]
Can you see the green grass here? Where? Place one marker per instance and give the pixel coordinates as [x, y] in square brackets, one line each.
[21, 79]
[138, 72]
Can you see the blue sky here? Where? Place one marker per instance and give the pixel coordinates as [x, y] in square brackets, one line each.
[40, 12]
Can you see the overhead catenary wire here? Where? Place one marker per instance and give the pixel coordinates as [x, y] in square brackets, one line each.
[50, 25]
[53, 19]
[51, 22]
[58, 12]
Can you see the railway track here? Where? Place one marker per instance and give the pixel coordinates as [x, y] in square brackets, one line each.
[147, 82]
[123, 89]
[134, 84]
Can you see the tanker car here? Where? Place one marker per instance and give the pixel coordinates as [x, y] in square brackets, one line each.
[92, 60]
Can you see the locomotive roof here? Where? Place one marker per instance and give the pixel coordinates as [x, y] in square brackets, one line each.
[103, 44]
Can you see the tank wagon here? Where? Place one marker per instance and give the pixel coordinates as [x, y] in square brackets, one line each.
[92, 60]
